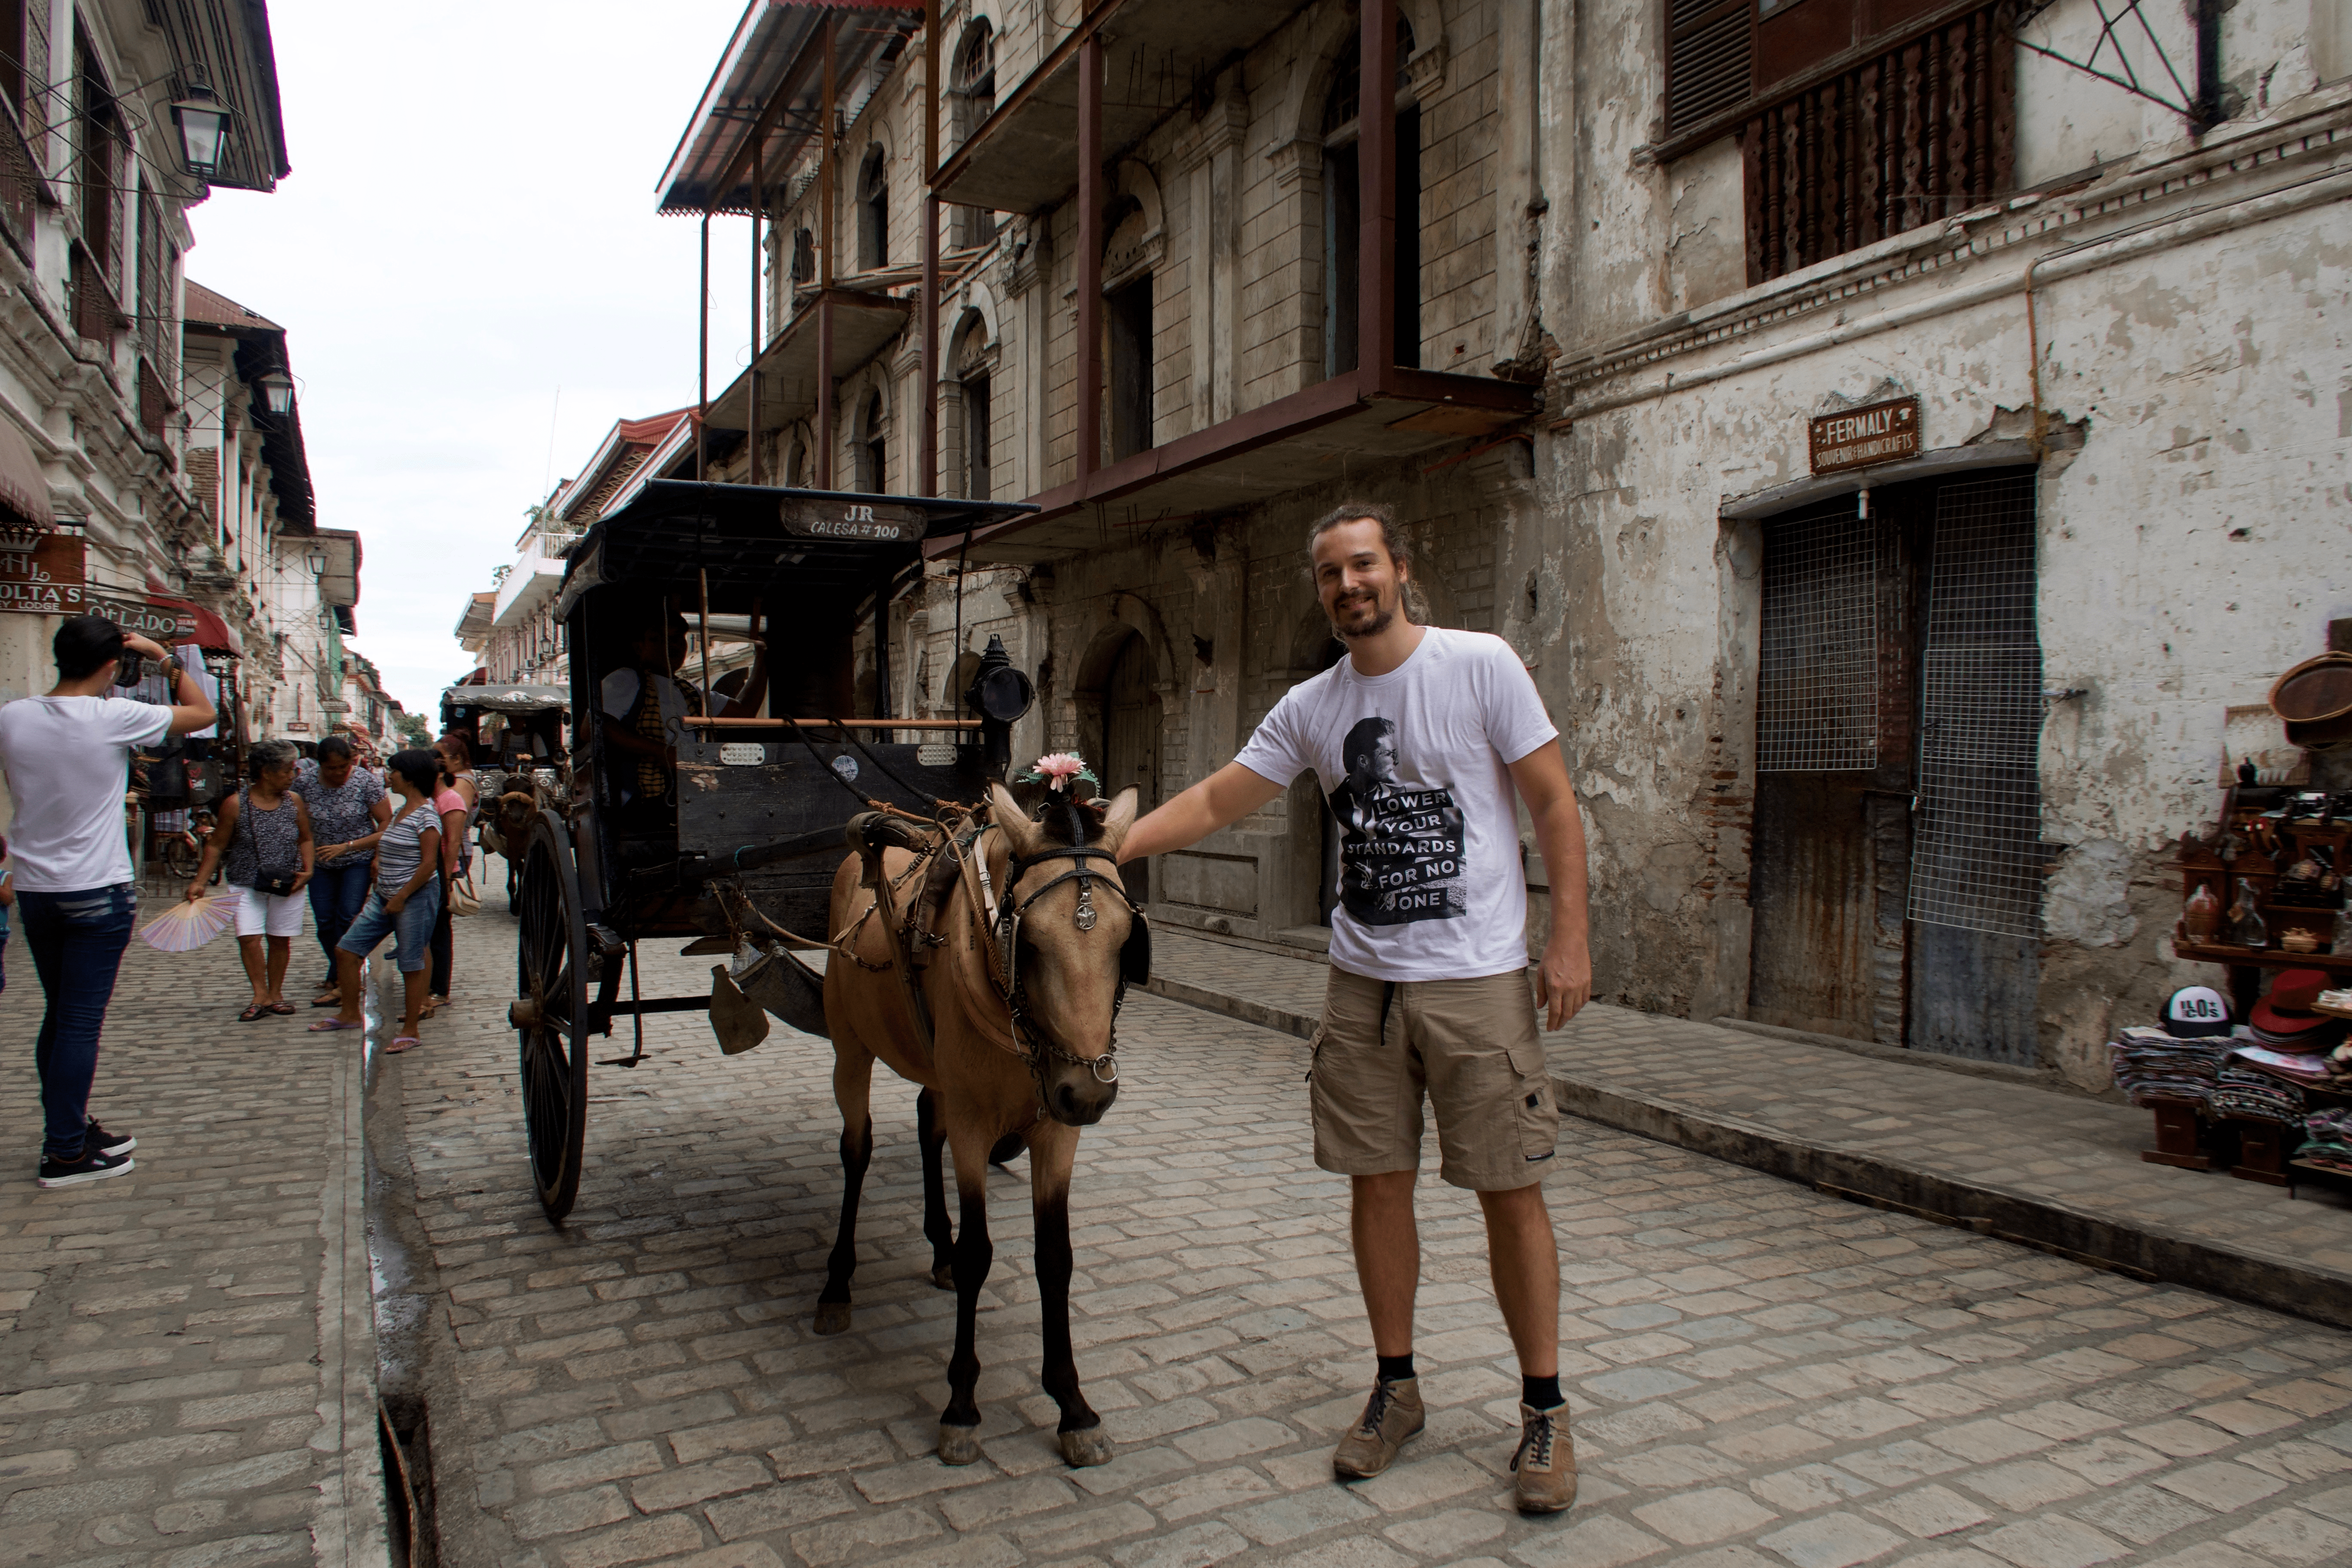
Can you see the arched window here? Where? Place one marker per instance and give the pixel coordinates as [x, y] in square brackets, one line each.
[803, 258]
[1127, 337]
[972, 379]
[874, 210]
[873, 453]
[796, 464]
[972, 99]
[1343, 208]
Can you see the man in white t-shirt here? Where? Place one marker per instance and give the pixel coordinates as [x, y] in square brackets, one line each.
[68, 758]
[1419, 737]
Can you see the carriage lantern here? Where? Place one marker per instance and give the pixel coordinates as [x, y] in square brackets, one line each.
[1000, 695]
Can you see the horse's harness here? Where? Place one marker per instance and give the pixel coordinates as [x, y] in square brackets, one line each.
[1005, 933]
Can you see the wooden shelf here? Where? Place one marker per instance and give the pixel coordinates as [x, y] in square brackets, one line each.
[2262, 957]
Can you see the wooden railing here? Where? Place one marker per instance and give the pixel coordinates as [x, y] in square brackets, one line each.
[1925, 131]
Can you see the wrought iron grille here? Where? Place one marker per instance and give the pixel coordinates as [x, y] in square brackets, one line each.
[1817, 676]
[1976, 858]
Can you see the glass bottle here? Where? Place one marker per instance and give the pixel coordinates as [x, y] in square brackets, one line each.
[2246, 927]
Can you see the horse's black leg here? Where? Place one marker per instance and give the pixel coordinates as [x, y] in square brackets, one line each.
[1051, 1155]
[936, 1229]
[833, 1303]
[960, 1422]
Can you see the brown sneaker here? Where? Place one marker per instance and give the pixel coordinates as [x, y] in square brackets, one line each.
[1391, 1414]
[1545, 1461]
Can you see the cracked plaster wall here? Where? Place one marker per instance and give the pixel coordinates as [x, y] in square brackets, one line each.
[2190, 551]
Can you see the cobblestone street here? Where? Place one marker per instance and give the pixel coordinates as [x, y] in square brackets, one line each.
[1760, 1374]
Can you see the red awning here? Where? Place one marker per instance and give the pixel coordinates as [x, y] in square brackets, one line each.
[201, 626]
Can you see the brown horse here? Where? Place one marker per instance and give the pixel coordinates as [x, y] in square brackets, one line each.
[1026, 1055]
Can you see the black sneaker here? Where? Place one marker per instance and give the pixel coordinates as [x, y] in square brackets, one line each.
[107, 1143]
[92, 1165]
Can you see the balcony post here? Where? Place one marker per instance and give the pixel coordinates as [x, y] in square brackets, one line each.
[826, 113]
[702, 351]
[928, 474]
[758, 200]
[1090, 243]
[1376, 195]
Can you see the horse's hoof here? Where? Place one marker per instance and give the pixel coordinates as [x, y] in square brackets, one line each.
[1091, 1446]
[833, 1316]
[944, 1276]
[959, 1444]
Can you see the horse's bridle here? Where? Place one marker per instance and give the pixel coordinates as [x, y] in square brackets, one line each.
[1004, 932]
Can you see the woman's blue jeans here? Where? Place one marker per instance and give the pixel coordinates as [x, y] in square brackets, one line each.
[337, 894]
[77, 941]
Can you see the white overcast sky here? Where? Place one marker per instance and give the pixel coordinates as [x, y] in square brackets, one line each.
[469, 226]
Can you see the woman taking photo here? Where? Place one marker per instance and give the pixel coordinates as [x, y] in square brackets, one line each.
[455, 802]
[264, 832]
[402, 903]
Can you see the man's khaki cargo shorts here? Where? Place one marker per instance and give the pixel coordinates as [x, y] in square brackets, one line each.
[1470, 1046]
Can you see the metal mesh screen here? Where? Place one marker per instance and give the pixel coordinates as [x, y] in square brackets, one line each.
[1817, 676]
[1976, 859]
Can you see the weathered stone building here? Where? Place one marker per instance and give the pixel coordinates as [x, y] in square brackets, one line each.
[1894, 752]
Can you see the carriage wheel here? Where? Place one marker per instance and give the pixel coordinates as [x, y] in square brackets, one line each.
[551, 1013]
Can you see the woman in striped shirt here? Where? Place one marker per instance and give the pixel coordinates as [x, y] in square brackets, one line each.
[402, 903]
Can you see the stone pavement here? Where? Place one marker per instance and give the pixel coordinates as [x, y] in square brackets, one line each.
[1762, 1376]
[186, 1376]
[2061, 1170]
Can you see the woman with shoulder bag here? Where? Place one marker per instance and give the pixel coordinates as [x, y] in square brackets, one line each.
[264, 832]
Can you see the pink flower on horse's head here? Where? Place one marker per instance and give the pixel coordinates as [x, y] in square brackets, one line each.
[1059, 768]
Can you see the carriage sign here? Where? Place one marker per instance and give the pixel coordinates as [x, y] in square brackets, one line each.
[1875, 433]
[847, 519]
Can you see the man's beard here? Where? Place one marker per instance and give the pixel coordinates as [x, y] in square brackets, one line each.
[1361, 615]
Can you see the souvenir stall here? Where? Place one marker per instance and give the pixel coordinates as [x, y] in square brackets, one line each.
[2260, 1083]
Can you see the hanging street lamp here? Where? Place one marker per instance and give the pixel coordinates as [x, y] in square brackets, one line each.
[203, 129]
[276, 392]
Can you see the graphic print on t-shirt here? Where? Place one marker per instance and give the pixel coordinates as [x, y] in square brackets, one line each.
[1400, 848]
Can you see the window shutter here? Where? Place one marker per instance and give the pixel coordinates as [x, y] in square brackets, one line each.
[1709, 44]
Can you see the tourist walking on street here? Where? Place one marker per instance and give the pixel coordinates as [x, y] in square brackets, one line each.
[1419, 736]
[67, 760]
[454, 800]
[265, 833]
[348, 807]
[402, 903]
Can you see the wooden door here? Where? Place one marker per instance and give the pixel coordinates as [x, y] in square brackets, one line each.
[1976, 882]
[1130, 742]
[1833, 839]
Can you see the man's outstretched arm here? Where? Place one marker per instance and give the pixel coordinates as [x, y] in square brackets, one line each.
[1564, 980]
[1230, 792]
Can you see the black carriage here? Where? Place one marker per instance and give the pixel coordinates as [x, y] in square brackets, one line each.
[737, 839]
[515, 734]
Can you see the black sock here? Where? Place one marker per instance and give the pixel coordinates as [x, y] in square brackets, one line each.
[1540, 1393]
[1396, 1368]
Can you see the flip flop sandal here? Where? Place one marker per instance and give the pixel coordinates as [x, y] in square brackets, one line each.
[283, 1009]
[254, 1014]
[328, 1026]
[402, 1043]
[332, 999]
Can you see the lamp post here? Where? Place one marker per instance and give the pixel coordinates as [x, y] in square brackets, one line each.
[203, 129]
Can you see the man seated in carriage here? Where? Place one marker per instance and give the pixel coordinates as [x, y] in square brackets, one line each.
[643, 707]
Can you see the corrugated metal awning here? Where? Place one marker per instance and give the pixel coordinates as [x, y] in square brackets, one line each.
[774, 39]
